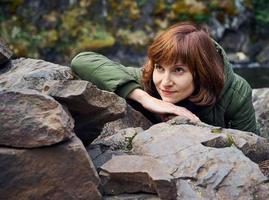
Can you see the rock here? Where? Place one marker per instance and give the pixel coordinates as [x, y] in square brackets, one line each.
[62, 171]
[260, 98]
[104, 148]
[131, 174]
[262, 57]
[32, 74]
[122, 140]
[238, 58]
[194, 161]
[5, 53]
[83, 97]
[132, 197]
[100, 154]
[132, 118]
[31, 119]
[235, 41]
[90, 107]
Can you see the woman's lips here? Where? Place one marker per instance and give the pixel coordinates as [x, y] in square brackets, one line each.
[167, 92]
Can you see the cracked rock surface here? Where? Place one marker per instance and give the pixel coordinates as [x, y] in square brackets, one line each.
[179, 160]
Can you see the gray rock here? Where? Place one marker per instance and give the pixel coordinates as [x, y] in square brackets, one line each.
[194, 161]
[90, 107]
[83, 97]
[262, 57]
[132, 174]
[132, 118]
[132, 197]
[103, 148]
[210, 172]
[100, 154]
[31, 119]
[235, 41]
[260, 99]
[122, 140]
[5, 53]
[62, 171]
[32, 74]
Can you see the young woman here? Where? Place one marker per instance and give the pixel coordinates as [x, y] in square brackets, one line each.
[186, 73]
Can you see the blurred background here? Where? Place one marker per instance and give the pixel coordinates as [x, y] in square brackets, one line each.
[56, 31]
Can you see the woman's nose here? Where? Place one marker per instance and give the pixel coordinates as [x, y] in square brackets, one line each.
[166, 81]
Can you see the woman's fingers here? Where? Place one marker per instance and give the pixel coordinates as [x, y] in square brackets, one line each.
[186, 113]
[161, 107]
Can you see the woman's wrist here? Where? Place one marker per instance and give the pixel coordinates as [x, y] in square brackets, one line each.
[138, 95]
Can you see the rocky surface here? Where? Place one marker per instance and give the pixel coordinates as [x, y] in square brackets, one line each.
[132, 197]
[5, 53]
[260, 98]
[62, 171]
[94, 110]
[132, 118]
[32, 74]
[31, 119]
[191, 161]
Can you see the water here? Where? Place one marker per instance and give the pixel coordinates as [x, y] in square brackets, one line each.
[257, 77]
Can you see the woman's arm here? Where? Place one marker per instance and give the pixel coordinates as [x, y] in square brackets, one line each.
[106, 74]
[161, 107]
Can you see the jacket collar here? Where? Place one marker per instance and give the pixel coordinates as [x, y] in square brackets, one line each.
[228, 71]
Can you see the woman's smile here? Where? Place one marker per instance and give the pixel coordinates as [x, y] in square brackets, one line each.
[167, 92]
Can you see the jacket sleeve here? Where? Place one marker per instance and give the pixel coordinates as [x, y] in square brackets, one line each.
[241, 111]
[106, 74]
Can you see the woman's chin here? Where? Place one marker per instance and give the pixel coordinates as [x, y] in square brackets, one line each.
[169, 100]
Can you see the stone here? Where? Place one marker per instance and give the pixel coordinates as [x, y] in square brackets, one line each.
[32, 74]
[132, 118]
[132, 197]
[121, 140]
[262, 57]
[193, 160]
[234, 41]
[62, 171]
[5, 53]
[103, 148]
[30, 119]
[100, 154]
[132, 173]
[90, 107]
[260, 99]
[213, 172]
[238, 58]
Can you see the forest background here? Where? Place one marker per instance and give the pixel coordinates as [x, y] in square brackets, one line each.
[122, 30]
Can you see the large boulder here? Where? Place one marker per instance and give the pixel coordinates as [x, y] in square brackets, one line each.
[62, 171]
[31, 119]
[132, 118]
[5, 53]
[260, 98]
[90, 107]
[32, 74]
[189, 161]
[96, 112]
[262, 57]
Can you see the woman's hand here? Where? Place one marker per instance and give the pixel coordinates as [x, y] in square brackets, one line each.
[161, 107]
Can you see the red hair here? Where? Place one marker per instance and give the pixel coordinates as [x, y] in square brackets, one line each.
[195, 48]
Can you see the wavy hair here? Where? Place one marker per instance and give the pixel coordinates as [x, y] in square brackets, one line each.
[194, 48]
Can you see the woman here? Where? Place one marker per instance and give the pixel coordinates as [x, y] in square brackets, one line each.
[186, 73]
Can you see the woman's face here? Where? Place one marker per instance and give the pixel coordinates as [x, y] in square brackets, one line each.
[173, 83]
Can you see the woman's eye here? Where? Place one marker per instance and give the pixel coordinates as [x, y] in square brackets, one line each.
[179, 70]
[158, 67]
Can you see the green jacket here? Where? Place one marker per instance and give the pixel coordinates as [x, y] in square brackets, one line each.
[233, 109]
